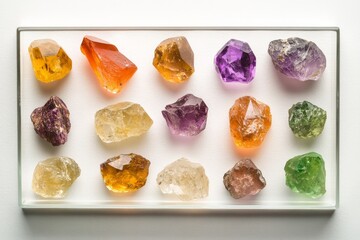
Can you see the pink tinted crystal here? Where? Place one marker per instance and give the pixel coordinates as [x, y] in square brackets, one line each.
[236, 62]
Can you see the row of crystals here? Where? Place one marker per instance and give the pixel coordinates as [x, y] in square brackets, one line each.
[187, 180]
[296, 58]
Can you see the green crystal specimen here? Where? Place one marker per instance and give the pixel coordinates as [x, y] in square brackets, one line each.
[305, 174]
[306, 120]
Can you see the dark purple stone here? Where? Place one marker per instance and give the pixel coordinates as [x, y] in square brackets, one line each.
[236, 62]
[52, 122]
[297, 58]
[187, 116]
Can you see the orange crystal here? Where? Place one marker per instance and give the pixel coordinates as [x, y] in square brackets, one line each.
[125, 173]
[250, 120]
[112, 68]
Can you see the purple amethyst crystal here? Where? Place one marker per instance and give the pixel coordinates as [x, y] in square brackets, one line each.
[236, 62]
[297, 58]
[51, 122]
[187, 116]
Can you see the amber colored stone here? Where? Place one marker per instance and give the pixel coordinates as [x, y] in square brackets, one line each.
[174, 59]
[112, 69]
[125, 173]
[49, 61]
[250, 120]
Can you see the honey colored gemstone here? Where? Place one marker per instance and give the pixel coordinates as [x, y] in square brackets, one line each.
[112, 69]
[49, 60]
[250, 120]
[120, 121]
[125, 173]
[174, 59]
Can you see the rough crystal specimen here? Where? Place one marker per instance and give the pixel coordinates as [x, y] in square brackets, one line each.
[236, 62]
[297, 58]
[125, 173]
[187, 116]
[112, 69]
[174, 59]
[250, 120]
[306, 120]
[52, 122]
[306, 174]
[120, 121]
[49, 60]
[54, 176]
[244, 179]
[185, 179]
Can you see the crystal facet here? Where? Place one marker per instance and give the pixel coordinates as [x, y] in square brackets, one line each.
[236, 62]
[125, 173]
[120, 121]
[49, 61]
[174, 59]
[112, 69]
[244, 179]
[185, 179]
[305, 174]
[52, 122]
[297, 58]
[250, 120]
[187, 116]
[54, 176]
[306, 120]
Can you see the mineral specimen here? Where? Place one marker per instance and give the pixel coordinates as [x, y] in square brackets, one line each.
[52, 122]
[250, 120]
[49, 60]
[185, 179]
[54, 176]
[120, 121]
[244, 179]
[306, 120]
[125, 173]
[236, 62]
[187, 116]
[297, 58]
[112, 69]
[174, 59]
[305, 174]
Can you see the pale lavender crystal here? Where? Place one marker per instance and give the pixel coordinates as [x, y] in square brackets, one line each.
[52, 122]
[236, 62]
[187, 116]
[297, 58]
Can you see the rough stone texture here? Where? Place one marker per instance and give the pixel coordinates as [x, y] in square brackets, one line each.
[185, 179]
[250, 120]
[112, 68]
[120, 121]
[54, 176]
[187, 116]
[236, 62]
[297, 58]
[52, 121]
[306, 120]
[49, 61]
[244, 179]
[174, 59]
[306, 174]
[125, 173]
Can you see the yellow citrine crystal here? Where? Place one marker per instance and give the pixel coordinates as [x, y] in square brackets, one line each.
[174, 59]
[49, 61]
[125, 173]
[250, 120]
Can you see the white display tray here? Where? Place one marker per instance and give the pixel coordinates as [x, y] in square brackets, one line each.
[213, 148]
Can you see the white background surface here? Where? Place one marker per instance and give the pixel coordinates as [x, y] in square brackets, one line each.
[342, 224]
